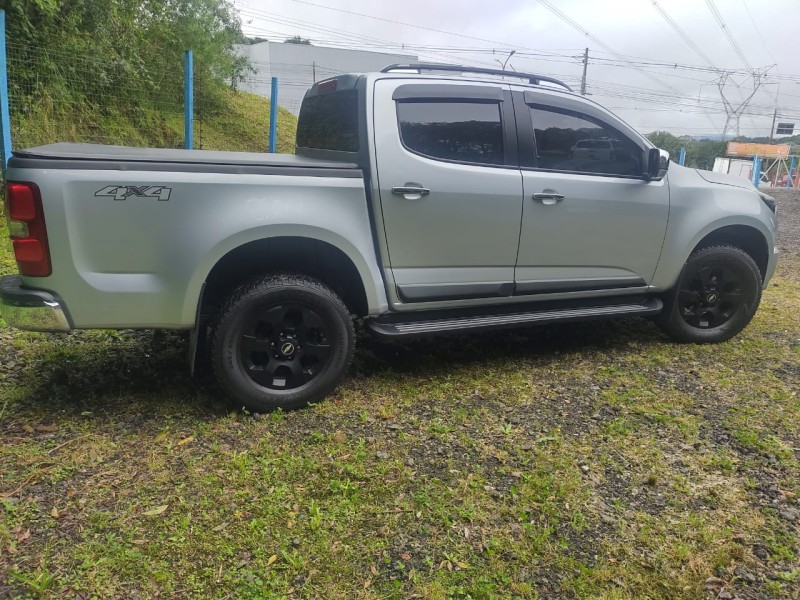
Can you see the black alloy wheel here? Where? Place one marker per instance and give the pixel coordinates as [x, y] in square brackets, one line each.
[281, 341]
[709, 296]
[284, 346]
[715, 298]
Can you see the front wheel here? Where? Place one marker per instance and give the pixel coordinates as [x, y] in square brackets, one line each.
[282, 341]
[715, 298]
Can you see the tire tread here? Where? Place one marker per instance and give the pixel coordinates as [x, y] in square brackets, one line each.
[680, 331]
[257, 287]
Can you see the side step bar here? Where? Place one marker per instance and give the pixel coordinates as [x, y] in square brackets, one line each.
[383, 327]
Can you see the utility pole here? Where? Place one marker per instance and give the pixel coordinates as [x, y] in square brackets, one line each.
[772, 131]
[585, 65]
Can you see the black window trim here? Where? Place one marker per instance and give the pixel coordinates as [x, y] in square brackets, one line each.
[455, 94]
[426, 92]
[529, 160]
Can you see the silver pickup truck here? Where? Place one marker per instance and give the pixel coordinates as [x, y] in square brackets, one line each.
[424, 199]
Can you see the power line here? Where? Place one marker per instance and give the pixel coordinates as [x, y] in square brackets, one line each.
[639, 63]
[307, 25]
[644, 65]
[758, 31]
[718, 17]
[404, 24]
[599, 86]
[689, 42]
[666, 104]
[614, 86]
[596, 40]
[577, 27]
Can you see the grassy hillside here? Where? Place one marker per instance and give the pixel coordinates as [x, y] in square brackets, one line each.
[244, 126]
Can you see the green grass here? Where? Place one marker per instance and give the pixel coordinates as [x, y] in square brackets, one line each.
[593, 461]
[242, 125]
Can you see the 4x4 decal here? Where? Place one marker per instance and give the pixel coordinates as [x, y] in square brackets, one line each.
[123, 192]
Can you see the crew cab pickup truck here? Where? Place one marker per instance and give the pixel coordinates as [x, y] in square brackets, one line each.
[424, 199]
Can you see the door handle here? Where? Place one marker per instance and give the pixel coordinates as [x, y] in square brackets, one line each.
[411, 191]
[548, 197]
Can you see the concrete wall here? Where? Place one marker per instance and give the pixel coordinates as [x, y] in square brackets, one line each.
[298, 66]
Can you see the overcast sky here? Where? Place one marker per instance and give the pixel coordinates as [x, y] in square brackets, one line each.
[625, 38]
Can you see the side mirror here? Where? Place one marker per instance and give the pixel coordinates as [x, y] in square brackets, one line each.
[657, 164]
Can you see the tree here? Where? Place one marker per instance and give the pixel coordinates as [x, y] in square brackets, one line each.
[296, 39]
[704, 152]
[666, 141]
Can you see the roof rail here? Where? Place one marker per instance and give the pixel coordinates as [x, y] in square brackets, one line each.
[531, 77]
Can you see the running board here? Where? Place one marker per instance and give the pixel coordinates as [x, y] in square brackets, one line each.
[649, 306]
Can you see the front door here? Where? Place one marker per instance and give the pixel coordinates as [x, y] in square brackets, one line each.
[592, 223]
[450, 188]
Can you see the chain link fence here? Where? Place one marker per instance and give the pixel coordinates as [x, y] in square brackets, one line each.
[233, 117]
[67, 97]
[64, 97]
[56, 96]
[245, 124]
[294, 80]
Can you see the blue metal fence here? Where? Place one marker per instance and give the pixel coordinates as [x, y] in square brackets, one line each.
[756, 170]
[5, 117]
[273, 115]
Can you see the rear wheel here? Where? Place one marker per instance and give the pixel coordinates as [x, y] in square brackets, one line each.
[282, 341]
[716, 296]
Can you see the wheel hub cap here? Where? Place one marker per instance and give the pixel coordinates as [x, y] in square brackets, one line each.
[710, 295]
[285, 346]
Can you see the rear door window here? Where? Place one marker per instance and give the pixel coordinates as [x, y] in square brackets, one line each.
[458, 131]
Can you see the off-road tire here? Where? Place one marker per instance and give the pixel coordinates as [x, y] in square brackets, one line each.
[232, 332]
[716, 296]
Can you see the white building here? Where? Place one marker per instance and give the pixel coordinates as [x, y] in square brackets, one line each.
[741, 167]
[298, 66]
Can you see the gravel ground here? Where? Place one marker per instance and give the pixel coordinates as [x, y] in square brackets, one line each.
[788, 221]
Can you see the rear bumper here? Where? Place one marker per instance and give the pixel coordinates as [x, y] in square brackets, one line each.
[35, 310]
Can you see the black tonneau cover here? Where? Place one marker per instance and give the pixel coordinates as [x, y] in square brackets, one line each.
[123, 158]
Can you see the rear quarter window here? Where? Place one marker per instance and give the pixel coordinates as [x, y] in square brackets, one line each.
[453, 130]
[329, 122]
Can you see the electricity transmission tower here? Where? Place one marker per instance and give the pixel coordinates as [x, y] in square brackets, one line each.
[733, 114]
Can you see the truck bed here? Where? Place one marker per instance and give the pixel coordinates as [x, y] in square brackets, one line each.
[123, 158]
[123, 257]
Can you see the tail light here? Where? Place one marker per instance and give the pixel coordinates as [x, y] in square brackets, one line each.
[27, 229]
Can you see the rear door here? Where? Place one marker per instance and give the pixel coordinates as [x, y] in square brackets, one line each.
[592, 223]
[450, 188]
